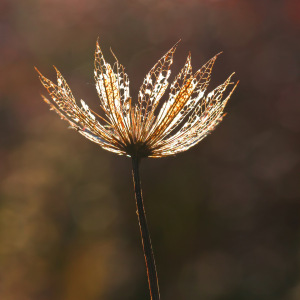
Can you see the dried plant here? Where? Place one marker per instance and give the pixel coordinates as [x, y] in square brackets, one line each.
[136, 130]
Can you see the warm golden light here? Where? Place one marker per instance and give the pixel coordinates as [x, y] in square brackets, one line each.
[136, 130]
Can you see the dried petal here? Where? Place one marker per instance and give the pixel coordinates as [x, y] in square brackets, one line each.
[134, 130]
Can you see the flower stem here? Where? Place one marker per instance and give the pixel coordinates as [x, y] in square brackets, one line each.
[146, 241]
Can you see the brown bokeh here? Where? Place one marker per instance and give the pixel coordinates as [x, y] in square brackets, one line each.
[224, 216]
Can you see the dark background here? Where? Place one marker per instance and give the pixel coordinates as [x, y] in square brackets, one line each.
[224, 216]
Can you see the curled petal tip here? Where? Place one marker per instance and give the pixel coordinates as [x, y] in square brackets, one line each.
[113, 54]
[176, 44]
[98, 43]
[38, 70]
[230, 76]
[235, 86]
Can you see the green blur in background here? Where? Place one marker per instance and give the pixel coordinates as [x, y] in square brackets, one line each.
[224, 216]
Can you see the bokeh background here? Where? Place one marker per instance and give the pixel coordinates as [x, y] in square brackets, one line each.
[224, 216]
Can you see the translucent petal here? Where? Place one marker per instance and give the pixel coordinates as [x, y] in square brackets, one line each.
[154, 86]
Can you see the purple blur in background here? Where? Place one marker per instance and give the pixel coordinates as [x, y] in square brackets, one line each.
[224, 216]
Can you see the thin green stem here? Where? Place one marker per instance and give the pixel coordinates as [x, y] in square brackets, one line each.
[146, 241]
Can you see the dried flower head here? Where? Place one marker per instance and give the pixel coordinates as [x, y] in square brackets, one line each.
[137, 130]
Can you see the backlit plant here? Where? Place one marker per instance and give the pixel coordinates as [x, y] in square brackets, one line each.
[142, 129]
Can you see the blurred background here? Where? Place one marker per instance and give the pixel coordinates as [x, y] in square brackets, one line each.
[224, 216]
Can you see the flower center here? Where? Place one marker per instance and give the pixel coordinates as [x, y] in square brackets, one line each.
[138, 149]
